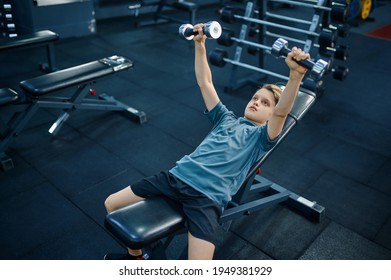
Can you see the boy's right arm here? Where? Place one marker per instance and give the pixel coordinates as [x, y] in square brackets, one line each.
[202, 70]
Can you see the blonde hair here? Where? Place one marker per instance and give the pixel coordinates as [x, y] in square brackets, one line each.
[275, 89]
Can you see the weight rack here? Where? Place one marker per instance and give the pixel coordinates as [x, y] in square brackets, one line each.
[259, 20]
[7, 25]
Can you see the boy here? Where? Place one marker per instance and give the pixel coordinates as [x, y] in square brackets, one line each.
[204, 181]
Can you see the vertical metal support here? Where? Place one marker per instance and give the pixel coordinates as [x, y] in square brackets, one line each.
[51, 57]
[233, 81]
[314, 26]
[76, 98]
[262, 8]
[159, 9]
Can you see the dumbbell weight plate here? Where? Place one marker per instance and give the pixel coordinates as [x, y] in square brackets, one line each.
[328, 59]
[315, 86]
[252, 50]
[225, 38]
[182, 31]
[342, 53]
[227, 15]
[216, 57]
[340, 73]
[339, 12]
[327, 37]
[343, 30]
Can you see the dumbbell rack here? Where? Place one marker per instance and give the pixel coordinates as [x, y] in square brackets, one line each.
[7, 25]
[258, 12]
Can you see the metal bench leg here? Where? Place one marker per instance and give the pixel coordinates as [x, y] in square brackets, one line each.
[51, 64]
[15, 126]
[126, 110]
[56, 126]
[6, 162]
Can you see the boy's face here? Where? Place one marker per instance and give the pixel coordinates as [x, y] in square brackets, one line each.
[260, 107]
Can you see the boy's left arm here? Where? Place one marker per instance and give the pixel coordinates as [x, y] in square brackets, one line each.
[288, 96]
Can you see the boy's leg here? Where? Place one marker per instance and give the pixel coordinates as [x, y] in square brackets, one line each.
[200, 249]
[119, 200]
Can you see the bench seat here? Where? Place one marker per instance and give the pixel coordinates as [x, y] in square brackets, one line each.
[143, 223]
[76, 75]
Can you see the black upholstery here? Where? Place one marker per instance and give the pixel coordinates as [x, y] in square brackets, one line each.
[184, 5]
[68, 77]
[32, 39]
[141, 224]
[7, 96]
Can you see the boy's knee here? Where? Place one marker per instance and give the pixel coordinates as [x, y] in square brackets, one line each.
[109, 204]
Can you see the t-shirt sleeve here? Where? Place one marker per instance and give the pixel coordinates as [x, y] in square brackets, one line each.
[266, 142]
[217, 114]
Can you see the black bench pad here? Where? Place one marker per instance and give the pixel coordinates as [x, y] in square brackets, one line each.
[185, 5]
[31, 39]
[75, 75]
[145, 222]
[7, 96]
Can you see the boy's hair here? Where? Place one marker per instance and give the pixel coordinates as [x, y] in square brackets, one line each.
[275, 89]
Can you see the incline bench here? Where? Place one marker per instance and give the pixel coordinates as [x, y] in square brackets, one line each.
[38, 91]
[146, 222]
[44, 37]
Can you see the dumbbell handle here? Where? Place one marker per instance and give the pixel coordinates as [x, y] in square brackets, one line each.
[212, 29]
[280, 48]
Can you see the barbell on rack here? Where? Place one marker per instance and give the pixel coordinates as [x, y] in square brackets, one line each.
[326, 37]
[342, 28]
[338, 10]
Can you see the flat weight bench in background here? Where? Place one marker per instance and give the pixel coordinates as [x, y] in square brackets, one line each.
[159, 17]
[44, 37]
[144, 223]
[38, 92]
[8, 96]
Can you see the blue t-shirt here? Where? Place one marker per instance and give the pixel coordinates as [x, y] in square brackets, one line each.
[219, 165]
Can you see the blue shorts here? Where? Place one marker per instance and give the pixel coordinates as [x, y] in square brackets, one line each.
[202, 213]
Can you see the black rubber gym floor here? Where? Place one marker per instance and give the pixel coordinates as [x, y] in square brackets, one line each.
[51, 203]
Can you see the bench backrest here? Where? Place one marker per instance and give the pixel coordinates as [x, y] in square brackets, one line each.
[303, 102]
